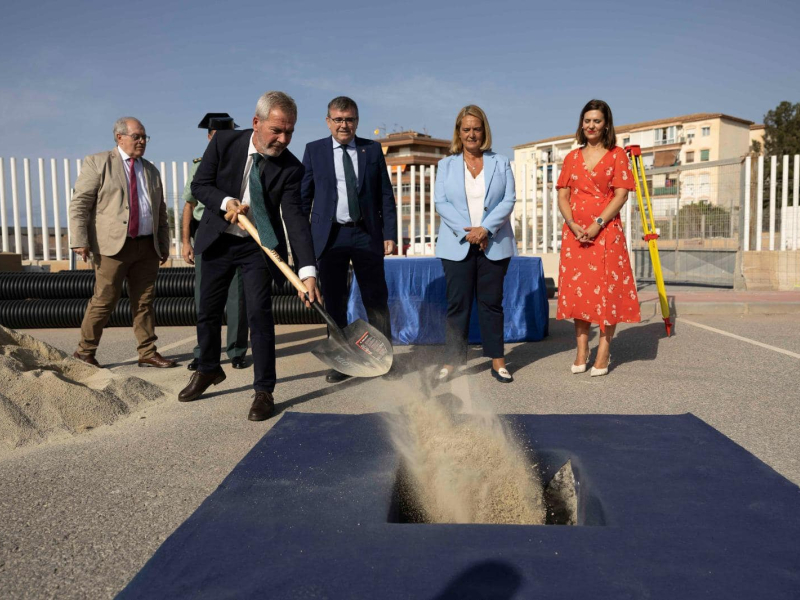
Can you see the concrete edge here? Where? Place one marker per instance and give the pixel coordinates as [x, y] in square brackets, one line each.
[686, 309]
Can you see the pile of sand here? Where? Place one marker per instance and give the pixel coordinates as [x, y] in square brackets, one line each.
[466, 468]
[46, 394]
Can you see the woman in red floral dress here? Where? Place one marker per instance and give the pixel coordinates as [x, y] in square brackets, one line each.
[595, 283]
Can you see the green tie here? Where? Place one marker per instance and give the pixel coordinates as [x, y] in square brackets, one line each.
[352, 186]
[259, 207]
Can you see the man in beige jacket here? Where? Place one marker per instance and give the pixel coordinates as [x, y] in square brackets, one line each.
[119, 218]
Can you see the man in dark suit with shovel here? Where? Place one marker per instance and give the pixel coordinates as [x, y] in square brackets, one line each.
[249, 172]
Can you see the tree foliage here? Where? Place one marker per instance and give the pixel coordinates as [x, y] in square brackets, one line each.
[782, 129]
[692, 224]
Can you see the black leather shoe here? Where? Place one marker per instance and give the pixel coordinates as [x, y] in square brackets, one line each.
[502, 375]
[263, 407]
[239, 362]
[335, 376]
[199, 383]
[192, 366]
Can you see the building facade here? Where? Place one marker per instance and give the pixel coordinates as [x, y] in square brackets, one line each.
[412, 154]
[674, 152]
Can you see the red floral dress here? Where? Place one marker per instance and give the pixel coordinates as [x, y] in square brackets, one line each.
[595, 281]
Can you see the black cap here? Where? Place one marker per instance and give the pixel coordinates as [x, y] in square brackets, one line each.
[216, 121]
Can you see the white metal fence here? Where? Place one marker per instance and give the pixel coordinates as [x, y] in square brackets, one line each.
[34, 219]
[783, 222]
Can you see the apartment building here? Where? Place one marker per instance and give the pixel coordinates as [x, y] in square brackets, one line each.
[688, 142]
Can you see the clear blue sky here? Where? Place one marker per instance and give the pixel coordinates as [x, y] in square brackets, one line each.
[69, 69]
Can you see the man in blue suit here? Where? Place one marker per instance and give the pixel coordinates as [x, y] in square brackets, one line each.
[347, 193]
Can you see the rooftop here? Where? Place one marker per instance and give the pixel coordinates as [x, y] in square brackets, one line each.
[692, 118]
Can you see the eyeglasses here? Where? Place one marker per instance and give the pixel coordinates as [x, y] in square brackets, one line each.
[340, 120]
[137, 137]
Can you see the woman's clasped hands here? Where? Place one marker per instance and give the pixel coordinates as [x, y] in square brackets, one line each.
[477, 235]
[584, 236]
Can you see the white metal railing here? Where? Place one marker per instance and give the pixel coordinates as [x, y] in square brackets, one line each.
[788, 238]
[413, 216]
[36, 225]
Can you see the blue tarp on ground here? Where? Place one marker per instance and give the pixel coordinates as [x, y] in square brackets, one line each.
[670, 509]
[418, 304]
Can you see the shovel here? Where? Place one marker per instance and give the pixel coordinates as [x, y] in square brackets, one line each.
[358, 350]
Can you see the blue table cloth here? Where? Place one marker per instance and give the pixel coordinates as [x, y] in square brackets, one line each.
[418, 302]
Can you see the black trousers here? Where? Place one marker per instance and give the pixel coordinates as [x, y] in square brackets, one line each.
[220, 261]
[354, 244]
[474, 277]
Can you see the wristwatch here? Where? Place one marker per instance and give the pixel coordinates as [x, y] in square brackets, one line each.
[599, 221]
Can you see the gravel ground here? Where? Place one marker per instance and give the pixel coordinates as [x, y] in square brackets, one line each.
[81, 516]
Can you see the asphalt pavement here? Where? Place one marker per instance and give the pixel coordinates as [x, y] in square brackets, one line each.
[81, 516]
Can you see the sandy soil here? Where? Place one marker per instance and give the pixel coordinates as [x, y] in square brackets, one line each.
[46, 394]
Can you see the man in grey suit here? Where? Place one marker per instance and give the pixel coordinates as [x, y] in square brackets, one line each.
[119, 219]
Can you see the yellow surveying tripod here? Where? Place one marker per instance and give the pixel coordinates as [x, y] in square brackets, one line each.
[649, 228]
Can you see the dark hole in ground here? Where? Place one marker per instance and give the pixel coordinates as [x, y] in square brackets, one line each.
[566, 503]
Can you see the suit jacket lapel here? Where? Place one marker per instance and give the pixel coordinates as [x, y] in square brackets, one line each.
[327, 159]
[239, 158]
[489, 166]
[119, 167]
[271, 171]
[361, 153]
[460, 185]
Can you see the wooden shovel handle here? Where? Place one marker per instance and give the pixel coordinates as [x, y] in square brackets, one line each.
[276, 258]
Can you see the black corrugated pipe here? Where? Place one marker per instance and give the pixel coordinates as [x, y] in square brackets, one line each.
[170, 283]
[51, 313]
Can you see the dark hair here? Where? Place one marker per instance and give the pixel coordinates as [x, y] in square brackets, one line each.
[342, 103]
[609, 135]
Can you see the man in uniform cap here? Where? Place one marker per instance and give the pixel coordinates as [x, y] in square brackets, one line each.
[236, 347]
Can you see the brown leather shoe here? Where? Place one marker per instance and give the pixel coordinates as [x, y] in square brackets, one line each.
[199, 383]
[157, 361]
[263, 407]
[89, 359]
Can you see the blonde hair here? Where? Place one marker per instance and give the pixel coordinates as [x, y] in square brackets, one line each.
[471, 110]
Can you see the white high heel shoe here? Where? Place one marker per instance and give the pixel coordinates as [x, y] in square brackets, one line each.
[579, 368]
[601, 372]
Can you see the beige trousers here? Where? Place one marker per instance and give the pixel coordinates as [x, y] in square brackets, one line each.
[138, 263]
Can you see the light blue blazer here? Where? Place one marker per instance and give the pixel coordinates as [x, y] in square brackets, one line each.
[498, 205]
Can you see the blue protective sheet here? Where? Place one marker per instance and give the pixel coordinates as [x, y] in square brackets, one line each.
[418, 304]
[670, 509]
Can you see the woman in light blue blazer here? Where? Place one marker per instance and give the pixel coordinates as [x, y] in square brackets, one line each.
[475, 200]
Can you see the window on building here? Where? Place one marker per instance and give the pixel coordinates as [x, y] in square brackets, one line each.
[690, 134]
[704, 155]
[626, 141]
[664, 135]
[690, 157]
[688, 186]
[706, 131]
[705, 184]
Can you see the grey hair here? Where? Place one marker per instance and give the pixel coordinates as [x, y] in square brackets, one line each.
[121, 126]
[342, 103]
[270, 100]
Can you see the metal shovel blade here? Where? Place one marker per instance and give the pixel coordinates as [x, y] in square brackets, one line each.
[358, 350]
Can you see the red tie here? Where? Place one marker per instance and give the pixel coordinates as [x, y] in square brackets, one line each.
[133, 222]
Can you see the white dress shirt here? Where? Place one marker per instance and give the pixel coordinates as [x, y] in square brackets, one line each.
[145, 210]
[244, 198]
[476, 195]
[342, 205]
